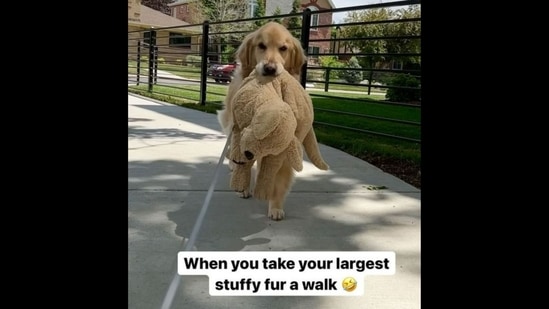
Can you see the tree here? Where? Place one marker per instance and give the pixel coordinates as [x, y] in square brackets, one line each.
[277, 12]
[402, 30]
[367, 31]
[159, 5]
[259, 12]
[224, 10]
[294, 22]
[404, 44]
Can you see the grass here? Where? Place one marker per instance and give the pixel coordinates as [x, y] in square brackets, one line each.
[182, 94]
[357, 144]
[179, 70]
[362, 89]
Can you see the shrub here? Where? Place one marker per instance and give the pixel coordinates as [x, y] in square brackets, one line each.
[403, 95]
[384, 77]
[194, 60]
[228, 54]
[161, 60]
[352, 76]
[331, 62]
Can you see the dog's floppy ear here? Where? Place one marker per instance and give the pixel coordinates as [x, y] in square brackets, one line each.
[245, 53]
[297, 58]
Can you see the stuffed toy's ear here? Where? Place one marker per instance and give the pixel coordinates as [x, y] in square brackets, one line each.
[295, 154]
[265, 121]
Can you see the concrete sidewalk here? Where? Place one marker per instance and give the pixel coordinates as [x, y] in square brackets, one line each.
[172, 157]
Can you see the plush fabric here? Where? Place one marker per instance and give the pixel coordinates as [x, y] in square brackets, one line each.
[273, 118]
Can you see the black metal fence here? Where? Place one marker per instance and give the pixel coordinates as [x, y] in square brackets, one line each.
[174, 62]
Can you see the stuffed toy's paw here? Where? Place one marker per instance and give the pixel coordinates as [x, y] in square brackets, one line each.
[240, 178]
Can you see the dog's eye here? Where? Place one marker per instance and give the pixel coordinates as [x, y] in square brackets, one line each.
[283, 48]
[262, 46]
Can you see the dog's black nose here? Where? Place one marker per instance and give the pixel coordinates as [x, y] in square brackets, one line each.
[269, 70]
[248, 155]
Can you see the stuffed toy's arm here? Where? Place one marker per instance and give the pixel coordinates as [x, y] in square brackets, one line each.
[235, 154]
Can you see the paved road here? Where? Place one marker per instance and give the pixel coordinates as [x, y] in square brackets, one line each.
[163, 79]
[172, 157]
[166, 78]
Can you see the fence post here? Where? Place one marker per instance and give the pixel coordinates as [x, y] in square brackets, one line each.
[204, 62]
[370, 83]
[138, 60]
[152, 44]
[155, 64]
[327, 79]
[305, 28]
[371, 75]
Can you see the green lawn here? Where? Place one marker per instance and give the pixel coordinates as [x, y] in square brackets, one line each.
[179, 70]
[187, 93]
[326, 108]
[363, 89]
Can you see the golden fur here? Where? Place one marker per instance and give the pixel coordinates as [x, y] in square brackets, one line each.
[270, 47]
[273, 123]
[269, 51]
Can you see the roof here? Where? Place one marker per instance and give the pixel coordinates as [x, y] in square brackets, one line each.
[180, 2]
[153, 18]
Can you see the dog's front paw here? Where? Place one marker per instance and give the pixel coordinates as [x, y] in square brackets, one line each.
[276, 214]
[263, 192]
[245, 194]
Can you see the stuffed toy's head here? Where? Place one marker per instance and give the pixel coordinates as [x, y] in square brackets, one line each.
[272, 132]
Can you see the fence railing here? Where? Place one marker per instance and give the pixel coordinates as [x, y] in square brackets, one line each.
[178, 59]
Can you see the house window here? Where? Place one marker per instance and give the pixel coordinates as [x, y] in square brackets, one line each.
[313, 51]
[147, 37]
[314, 17]
[397, 65]
[252, 6]
[179, 40]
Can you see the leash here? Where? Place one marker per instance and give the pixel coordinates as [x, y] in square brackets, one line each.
[172, 289]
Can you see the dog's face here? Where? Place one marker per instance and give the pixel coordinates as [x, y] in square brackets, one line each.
[271, 49]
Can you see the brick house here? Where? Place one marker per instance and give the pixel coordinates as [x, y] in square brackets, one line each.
[186, 10]
[174, 44]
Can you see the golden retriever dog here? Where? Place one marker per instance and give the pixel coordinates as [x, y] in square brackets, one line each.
[268, 50]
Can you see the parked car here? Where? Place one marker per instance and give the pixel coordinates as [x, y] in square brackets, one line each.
[222, 72]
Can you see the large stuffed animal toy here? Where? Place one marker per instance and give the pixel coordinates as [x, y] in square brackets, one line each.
[273, 118]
